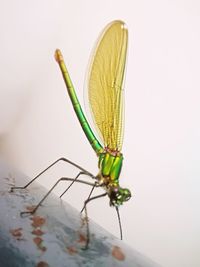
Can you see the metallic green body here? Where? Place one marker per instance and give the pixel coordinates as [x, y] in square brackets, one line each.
[110, 161]
[110, 166]
[77, 108]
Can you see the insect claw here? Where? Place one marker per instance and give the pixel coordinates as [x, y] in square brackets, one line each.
[26, 213]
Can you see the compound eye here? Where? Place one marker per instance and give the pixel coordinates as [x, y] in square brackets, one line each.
[119, 196]
[126, 194]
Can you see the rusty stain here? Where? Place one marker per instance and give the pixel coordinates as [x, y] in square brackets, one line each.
[38, 241]
[82, 238]
[38, 221]
[42, 264]
[37, 232]
[72, 250]
[16, 233]
[117, 253]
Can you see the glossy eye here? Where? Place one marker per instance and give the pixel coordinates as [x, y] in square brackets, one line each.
[119, 195]
[125, 194]
[119, 198]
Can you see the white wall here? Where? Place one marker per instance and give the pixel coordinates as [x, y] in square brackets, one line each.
[162, 130]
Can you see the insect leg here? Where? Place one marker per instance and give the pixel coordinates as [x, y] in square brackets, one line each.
[117, 210]
[86, 215]
[61, 179]
[74, 180]
[95, 185]
[51, 165]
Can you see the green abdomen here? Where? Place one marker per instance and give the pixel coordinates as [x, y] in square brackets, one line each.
[110, 166]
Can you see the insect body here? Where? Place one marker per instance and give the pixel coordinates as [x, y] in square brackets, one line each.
[105, 95]
[110, 168]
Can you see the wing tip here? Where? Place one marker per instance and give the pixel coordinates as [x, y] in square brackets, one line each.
[120, 22]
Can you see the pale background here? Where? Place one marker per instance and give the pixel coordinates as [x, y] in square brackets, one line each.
[162, 130]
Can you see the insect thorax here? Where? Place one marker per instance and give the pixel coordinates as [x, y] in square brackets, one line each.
[110, 167]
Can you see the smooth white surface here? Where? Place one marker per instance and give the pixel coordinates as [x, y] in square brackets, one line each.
[162, 132]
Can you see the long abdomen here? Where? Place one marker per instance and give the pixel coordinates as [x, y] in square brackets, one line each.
[76, 105]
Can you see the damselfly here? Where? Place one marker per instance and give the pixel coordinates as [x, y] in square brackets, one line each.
[105, 95]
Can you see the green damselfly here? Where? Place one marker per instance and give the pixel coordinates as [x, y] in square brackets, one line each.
[105, 95]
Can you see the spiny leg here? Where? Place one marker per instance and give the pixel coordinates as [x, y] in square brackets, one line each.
[51, 165]
[86, 216]
[61, 179]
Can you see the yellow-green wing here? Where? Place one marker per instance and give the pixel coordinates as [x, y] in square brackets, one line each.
[105, 83]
